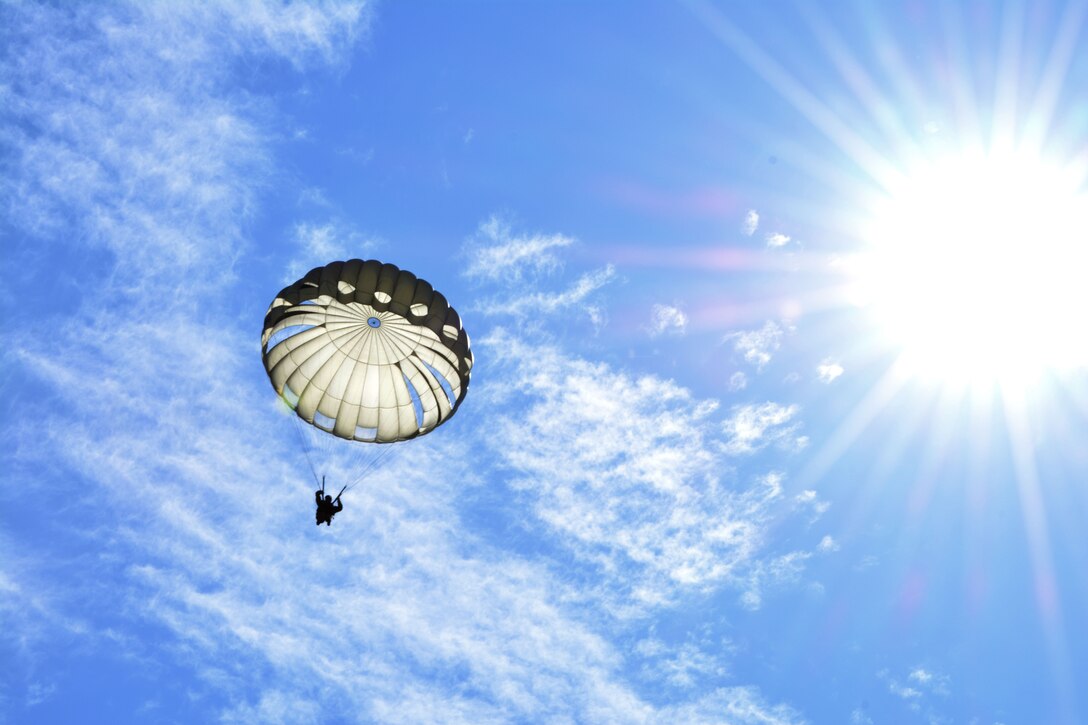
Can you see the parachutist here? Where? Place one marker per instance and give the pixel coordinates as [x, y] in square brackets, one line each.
[327, 506]
[367, 352]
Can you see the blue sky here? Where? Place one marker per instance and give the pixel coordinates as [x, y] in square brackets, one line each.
[771, 420]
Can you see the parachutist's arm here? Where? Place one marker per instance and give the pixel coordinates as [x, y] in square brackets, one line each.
[339, 505]
[317, 496]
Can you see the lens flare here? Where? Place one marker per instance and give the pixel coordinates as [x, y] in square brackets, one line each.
[976, 268]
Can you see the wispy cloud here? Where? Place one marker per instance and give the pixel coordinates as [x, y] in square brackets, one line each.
[758, 346]
[751, 222]
[916, 692]
[860, 717]
[867, 562]
[740, 705]
[538, 303]
[645, 496]
[810, 500]
[38, 692]
[780, 570]
[518, 272]
[33, 613]
[904, 692]
[497, 253]
[314, 196]
[751, 427]
[934, 682]
[828, 370]
[319, 244]
[777, 240]
[129, 129]
[667, 319]
[684, 665]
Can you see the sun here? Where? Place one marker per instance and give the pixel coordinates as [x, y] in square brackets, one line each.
[976, 267]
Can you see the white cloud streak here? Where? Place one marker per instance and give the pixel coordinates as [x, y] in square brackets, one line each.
[518, 266]
[751, 427]
[644, 493]
[319, 244]
[498, 254]
[534, 304]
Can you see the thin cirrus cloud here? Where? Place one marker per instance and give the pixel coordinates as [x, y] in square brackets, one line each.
[188, 158]
[645, 499]
[319, 244]
[497, 252]
[405, 615]
[534, 304]
[516, 268]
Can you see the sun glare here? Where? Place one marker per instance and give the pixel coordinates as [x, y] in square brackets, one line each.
[976, 268]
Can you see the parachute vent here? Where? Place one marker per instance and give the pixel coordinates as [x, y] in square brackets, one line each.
[290, 396]
[446, 387]
[286, 333]
[416, 402]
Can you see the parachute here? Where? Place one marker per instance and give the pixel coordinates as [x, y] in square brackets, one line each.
[367, 352]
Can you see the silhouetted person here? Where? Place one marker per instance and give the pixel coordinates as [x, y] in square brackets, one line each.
[327, 506]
